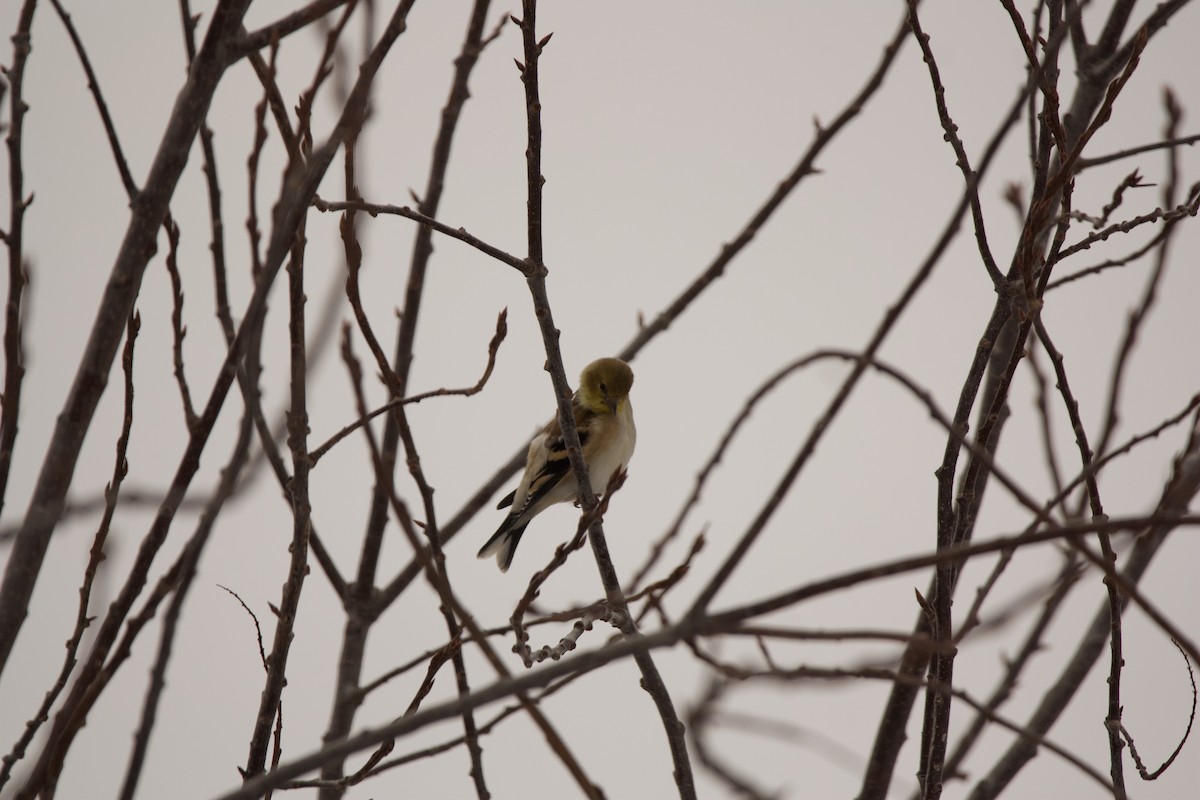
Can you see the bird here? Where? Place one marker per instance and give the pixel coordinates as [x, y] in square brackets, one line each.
[604, 418]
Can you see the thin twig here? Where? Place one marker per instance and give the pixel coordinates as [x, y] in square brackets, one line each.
[1097, 161]
[950, 134]
[178, 329]
[285, 26]
[262, 650]
[539, 578]
[461, 234]
[493, 348]
[110, 129]
[184, 572]
[285, 618]
[1042, 404]
[1167, 217]
[95, 556]
[1146, 774]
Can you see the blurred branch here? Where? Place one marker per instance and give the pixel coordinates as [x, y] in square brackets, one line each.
[286, 26]
[792, 675]
[699, 720]
[131, 496]
[14, 238]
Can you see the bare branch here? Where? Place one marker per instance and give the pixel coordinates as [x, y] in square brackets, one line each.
[461, 234]
[1146, 774]
[110, 129]
[652, 680]
[14, 237]
[95, 556]
[493, 348]
[970, 178]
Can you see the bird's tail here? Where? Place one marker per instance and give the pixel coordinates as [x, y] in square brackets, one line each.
[504, 542]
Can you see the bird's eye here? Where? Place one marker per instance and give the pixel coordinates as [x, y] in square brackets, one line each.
[603, 388]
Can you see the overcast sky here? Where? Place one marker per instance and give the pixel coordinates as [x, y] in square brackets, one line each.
[667, 125]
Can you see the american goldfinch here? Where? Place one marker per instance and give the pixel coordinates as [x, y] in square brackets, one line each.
[607, 435]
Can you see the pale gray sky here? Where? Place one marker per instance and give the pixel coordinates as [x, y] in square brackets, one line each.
[666, 126]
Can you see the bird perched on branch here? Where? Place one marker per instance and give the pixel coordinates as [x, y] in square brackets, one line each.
[604, 419]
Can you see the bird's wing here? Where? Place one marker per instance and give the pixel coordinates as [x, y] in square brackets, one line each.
[507, 500]
[547, 464]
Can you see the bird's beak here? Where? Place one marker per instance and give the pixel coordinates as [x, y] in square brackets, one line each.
[611, 402]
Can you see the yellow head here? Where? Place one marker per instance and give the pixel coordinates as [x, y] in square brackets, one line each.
[604, 385]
